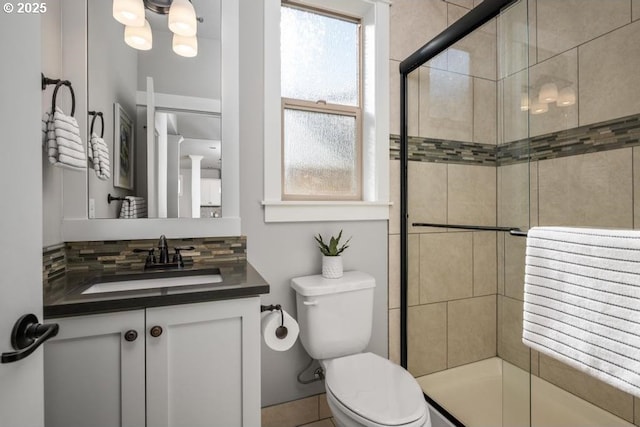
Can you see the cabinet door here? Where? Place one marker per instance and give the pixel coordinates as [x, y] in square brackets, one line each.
[204, 367]
[93, 376]
[210, 192]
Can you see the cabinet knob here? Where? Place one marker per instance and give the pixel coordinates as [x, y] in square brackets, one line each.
[130, 335]
[156, 331]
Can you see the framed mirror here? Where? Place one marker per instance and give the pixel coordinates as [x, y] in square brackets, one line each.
[177, 119]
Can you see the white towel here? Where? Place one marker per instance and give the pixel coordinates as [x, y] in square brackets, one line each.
[61, 136]
[98, 153]
[133, 207]
[582, 301]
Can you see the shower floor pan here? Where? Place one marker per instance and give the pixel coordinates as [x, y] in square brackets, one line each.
[475, 395]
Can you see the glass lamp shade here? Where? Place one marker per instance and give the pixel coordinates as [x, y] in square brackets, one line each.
[539, 107]
[524, 102]
[139, 37]
[185, 46]
[548, 93]
[182, 18]
[129, 12]
[566, 97]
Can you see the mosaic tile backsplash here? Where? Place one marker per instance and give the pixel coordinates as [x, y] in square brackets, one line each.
[116, 255]
[609, 135]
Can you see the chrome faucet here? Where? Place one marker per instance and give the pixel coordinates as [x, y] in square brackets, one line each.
[164, 250]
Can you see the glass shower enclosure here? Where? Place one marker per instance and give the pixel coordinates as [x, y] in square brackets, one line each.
[464, 215]
[489, 141]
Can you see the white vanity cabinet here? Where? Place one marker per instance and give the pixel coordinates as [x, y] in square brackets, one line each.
[93, 376]
[190, 365]
[210, 192]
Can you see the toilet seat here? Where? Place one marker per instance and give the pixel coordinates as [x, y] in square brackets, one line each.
[375, 391]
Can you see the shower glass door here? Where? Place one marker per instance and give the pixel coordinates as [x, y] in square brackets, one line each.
[466, 173]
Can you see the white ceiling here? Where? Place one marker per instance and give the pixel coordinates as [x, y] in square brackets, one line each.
[201, 133]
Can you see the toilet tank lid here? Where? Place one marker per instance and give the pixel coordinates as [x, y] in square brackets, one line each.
[318, 285]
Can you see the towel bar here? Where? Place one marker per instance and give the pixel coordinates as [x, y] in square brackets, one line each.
[110, 199]
[96, 114]
[45, 81]
[514, 231]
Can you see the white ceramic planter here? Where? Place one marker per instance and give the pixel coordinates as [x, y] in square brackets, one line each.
[331, 267]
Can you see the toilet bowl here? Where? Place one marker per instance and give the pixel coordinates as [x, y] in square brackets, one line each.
[363, 389]
[367, 390]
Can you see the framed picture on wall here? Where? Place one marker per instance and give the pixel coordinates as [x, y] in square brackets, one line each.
[122, 148]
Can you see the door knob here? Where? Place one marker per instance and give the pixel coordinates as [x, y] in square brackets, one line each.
[26, 336]
[130, 335]
[156, 331]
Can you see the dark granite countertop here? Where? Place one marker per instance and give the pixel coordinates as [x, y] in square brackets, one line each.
[64, 297]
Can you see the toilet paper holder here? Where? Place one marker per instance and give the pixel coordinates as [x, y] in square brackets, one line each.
[281, 331]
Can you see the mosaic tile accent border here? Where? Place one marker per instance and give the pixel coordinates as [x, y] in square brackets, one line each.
[54, 262]
[609, 135]
[444, 151]
[119, 255]
[603, 136]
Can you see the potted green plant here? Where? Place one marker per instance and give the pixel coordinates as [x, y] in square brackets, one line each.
[331, 259]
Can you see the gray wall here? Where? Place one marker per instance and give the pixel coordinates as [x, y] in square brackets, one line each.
[198, 76]
[51, 177]
[281, 251]
[112, 77]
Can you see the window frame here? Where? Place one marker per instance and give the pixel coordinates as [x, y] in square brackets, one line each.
[325, 108]
[322, 106]
[374, 20]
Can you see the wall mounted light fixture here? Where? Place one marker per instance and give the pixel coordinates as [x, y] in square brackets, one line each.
[539, 107]
[566, 97]
[548, 93]
[182, 22]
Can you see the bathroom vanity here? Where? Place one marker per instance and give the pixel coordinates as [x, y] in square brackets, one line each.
[162, 356]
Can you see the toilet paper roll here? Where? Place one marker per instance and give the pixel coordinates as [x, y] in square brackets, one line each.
[271, 322]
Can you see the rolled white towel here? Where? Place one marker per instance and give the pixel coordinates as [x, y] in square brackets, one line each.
[100, 157]
[49, 137]
[70, 163]
[69, 140]
[71, 153]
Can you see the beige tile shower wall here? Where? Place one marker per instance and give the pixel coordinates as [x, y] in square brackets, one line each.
[594, 190]
[453, 97]
[565, 24]
[452, 277]
[609, 79]
[588, 47]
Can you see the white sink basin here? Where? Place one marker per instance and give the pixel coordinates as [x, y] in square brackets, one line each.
[160, 282]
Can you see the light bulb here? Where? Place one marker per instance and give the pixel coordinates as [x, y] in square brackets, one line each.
[539, 107]
[185, 46]
[566, 97]
[182, 18]
[129, 12]
[524, 102]
[139, 37]
[548, 93]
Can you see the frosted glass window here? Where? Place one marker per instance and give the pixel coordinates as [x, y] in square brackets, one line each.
[321, 155]
[319, 57]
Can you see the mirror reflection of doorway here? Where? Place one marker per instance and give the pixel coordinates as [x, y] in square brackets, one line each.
[188, 164]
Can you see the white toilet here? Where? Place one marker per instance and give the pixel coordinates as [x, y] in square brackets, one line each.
[363, 389]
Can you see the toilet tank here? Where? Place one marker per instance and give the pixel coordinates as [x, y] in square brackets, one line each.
[335, 315]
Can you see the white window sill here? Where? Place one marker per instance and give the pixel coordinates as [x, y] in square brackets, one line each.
[303, 211]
